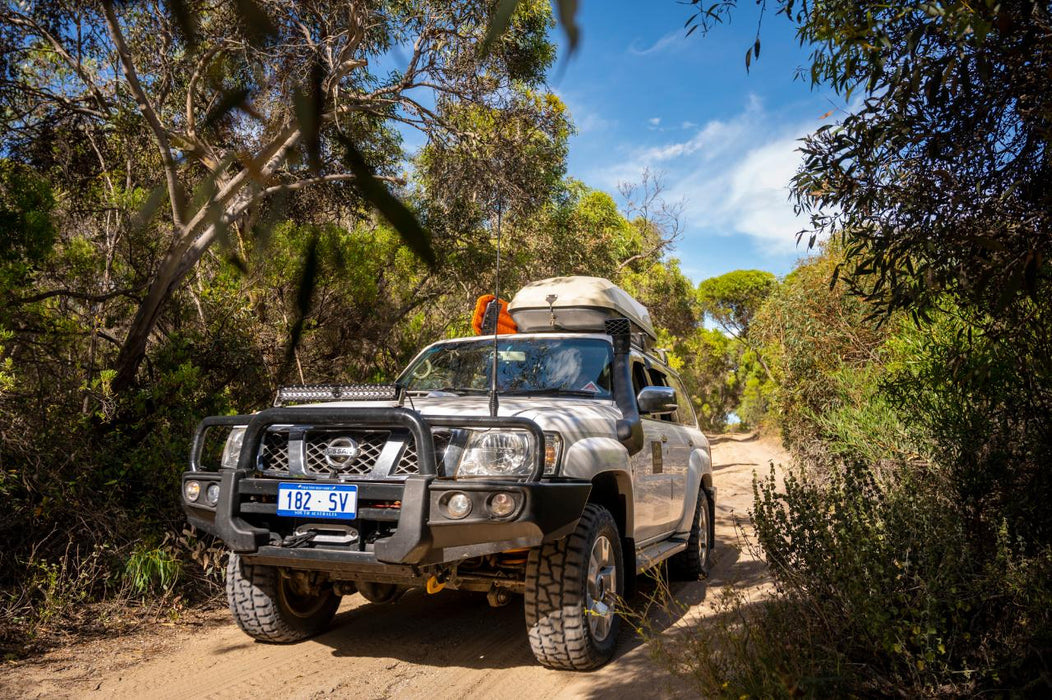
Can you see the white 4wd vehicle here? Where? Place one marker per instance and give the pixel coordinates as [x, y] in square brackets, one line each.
[590, 470]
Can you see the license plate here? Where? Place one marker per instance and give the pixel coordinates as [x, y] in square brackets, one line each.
[318, 501]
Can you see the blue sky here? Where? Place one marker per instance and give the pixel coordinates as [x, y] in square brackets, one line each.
[643, 95]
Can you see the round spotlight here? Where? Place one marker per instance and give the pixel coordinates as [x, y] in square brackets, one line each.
[192, 490]
[501, 505]
[212, 494]
[458, 506]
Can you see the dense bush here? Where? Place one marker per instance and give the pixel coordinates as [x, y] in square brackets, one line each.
[910, 543]
[879, 593]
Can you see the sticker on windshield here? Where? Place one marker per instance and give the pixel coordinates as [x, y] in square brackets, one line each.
[590, 387]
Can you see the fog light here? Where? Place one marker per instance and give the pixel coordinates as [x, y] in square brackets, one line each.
[192, 490]
[212, 494]
[501, 505]
[458, 506]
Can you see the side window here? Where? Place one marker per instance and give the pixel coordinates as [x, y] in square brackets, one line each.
[639, 377]
[685, 414]
[658, 378]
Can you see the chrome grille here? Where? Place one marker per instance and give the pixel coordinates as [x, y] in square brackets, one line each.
[377, 456]
[409, 463]
[370, 445]
[274, 452]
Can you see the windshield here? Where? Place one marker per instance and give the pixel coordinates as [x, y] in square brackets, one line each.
[567, 366]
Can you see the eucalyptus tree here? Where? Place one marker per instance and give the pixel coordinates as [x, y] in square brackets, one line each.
[938, 177]
[201, 119]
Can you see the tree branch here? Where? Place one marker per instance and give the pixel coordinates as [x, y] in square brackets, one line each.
[160, 134]
[72, 294]
[21, 20]
[300, 184]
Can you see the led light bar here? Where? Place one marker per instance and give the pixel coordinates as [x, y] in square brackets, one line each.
[315, 393]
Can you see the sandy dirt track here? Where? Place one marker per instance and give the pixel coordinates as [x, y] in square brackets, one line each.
[451, 645]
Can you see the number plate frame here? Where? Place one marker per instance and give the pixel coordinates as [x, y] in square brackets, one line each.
[321, 494]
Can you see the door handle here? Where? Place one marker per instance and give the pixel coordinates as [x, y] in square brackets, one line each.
[664, 438]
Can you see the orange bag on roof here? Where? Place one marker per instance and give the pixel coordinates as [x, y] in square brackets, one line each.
[505, 324]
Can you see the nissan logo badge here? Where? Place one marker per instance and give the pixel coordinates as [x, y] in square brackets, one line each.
[341, 451]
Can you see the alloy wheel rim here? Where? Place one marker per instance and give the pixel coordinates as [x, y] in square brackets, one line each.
[601, 588]
[703, 529]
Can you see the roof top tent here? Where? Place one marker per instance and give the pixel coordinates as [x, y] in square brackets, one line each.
[578, 304]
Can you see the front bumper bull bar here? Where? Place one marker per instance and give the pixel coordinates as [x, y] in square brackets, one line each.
[546, 510]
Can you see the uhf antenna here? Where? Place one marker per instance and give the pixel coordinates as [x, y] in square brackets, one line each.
[494, 402]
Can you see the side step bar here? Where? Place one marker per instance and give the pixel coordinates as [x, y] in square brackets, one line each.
[653, 554]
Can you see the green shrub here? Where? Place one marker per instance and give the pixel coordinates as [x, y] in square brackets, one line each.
[151, 570]
[879, 592]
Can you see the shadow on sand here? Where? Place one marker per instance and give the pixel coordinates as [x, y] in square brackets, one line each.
[459, 630]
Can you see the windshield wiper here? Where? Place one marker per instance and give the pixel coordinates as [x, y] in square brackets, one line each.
[460, 391]
[552, 391]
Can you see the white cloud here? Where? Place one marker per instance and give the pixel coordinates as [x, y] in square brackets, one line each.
[732, 176]
[669, 40]
[745, 191]
[585, 120]
[654, 121]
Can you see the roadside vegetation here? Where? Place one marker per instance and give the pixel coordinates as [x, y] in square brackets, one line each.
[910, 373]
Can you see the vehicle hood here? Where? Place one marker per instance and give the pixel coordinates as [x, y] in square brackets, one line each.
[575, 418]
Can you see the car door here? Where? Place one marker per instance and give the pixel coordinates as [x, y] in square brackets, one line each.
[677, 447]
[652, 484]
[689, 440]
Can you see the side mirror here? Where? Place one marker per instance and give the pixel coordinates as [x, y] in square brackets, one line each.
[657, 400]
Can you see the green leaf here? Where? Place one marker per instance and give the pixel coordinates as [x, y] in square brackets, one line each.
[500, 23]
[309, 106]
[255, 22]
[228, 101]
[149, 208]
[567, 18]
[502, 20]
[185, 19]
[400, 217]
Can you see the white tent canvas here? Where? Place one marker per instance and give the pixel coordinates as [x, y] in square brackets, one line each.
[576, 303]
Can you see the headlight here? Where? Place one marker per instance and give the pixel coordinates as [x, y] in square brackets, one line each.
[496, 453]
[232, 449]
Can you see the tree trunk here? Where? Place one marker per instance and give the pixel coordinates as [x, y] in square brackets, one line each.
[133, 350]
[173, 270]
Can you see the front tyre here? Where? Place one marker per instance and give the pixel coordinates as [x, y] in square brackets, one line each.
[572, 589]
[267, 607]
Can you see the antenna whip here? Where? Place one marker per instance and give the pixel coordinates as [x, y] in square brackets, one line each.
[494, 402]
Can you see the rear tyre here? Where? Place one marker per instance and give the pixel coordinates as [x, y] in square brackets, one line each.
[693, 562]
[572, 590]
[266, 607]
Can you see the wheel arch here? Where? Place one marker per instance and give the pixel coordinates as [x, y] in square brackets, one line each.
[613, 490]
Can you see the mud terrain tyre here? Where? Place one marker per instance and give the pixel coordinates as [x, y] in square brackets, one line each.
[267, 608]
[572, 590]
[693, 562]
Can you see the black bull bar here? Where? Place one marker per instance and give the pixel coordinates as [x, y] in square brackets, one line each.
[413, 540]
